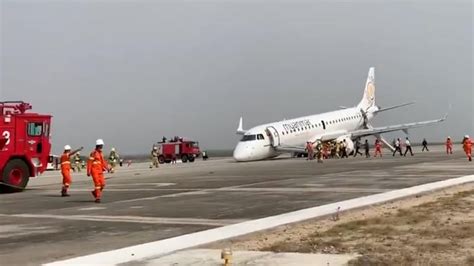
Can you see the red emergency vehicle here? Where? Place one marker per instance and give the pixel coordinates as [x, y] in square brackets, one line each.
[24, 144]
[184, 149]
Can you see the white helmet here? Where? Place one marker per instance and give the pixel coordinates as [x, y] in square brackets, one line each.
[67, 148]
[467, 136]
[99, 142]
[113, 149]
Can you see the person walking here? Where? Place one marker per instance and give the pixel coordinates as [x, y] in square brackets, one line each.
[397, 146]
[425, 145]
[344, 149]
[77, 162]
[357, 148]
[309, 149]
[467, 146]
[449, 146]
[113, 159]
[154, 158]
[367, 149]
[96, 166]
[378, 148]
[408, 147]
[66, 168]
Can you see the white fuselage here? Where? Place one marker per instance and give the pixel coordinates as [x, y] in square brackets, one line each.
[261, 141]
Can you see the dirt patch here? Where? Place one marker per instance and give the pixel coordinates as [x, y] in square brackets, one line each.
[431, 229]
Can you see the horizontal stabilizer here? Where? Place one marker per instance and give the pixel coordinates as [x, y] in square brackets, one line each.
[393, 107]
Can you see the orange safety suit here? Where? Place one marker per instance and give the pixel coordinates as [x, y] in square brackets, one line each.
[96, 165]
[467, 145]
[449, 146]
[66, 171]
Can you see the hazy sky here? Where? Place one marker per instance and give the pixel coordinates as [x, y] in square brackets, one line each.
[133, 71]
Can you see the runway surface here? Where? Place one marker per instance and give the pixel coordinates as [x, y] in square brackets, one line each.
[142, 205]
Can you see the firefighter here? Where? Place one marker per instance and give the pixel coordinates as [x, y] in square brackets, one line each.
[77, 162]
[154, 158]
[467, 146]
[113, 158]
[449, 146]
[338, 149]
[96, 165]
[319, 150]
[66, 168]
[378, 148]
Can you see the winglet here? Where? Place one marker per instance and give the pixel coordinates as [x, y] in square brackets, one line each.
[447, 113]
[240, 129]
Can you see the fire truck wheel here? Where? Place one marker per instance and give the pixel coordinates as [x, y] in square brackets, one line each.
[161, 159]
[17, 174]
[191, 159]
[184, 158]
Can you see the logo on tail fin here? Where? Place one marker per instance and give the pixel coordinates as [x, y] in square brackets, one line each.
[370, 92]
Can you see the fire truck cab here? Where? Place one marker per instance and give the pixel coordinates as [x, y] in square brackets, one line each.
[184, 149]
[24, 144]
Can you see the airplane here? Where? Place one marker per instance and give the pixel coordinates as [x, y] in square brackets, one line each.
[273, 139]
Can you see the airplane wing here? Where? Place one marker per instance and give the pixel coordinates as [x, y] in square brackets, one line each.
[404, 127]
[361, 133]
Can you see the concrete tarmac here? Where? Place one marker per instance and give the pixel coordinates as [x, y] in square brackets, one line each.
[141, 205]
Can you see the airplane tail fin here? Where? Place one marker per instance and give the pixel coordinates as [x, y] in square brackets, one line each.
[369, 91]
[240, 129]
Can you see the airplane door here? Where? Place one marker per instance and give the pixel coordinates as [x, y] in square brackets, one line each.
[324, 124]
[272, 133]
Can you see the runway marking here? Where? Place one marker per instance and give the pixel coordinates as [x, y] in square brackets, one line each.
[195, 192]
[92, 209]
[289, 189]
[130, 219]
[143, 184]
[170, 245]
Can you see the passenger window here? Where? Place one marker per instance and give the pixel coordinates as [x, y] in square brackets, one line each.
[35, 129]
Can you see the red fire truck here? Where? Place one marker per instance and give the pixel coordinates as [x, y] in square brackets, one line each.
[184, 149]
[24, 144]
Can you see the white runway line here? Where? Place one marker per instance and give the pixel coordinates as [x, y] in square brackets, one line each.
[130, 219]
[167, 246]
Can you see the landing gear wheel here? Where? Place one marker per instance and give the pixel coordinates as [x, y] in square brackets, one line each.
[184, 158]
[15, 175]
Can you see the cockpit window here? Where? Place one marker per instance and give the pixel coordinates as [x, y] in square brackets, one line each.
[260, 136]
[249, 138]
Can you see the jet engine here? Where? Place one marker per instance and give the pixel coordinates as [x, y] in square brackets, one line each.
[349, 143]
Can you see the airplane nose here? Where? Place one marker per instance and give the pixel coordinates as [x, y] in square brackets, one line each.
[240, 153]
